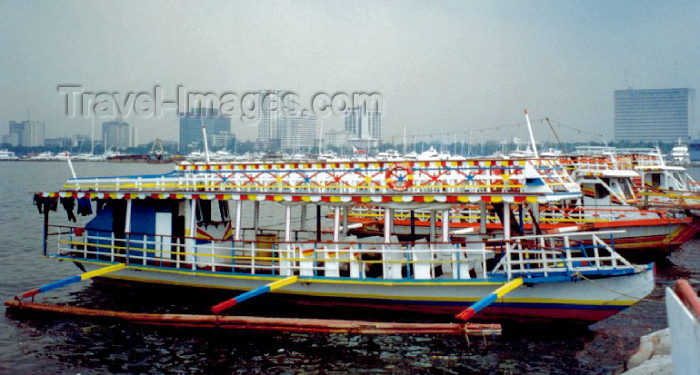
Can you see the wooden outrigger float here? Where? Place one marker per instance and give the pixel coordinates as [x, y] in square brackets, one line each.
[236, 322]
[187, 228]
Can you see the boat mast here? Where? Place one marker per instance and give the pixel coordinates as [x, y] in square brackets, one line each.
[204, 136]
[532, 137]
[70, 165]
[92, 138]
[320, 139]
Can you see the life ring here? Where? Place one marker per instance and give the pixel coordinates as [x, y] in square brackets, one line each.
[399, 177]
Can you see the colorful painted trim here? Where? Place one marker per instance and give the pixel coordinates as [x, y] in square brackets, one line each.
[489, 299]
[253, 293]
[354, 198]
[73, 279]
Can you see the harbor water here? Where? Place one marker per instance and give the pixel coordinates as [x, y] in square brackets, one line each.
[33, 344]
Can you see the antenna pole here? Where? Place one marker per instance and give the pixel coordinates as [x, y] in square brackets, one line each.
[92, 137]
[532, 137]
[320, 139]
[204, 136]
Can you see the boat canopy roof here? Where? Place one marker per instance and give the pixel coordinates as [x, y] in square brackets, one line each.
[399, 183]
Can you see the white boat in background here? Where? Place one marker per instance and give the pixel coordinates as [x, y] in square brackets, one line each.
[389, 155]
[7, 155]
[43, 156]
[87, 157]
[680, 154]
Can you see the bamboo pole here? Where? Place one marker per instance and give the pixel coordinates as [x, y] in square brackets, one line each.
[265, 323]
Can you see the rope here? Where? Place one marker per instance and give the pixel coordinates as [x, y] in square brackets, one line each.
[618, 292]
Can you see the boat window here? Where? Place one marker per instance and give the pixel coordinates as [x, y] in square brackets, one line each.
[207, 215]
[601, 191]
[203, 211]
[655, 180]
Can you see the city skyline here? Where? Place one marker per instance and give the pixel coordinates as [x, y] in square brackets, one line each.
[440, 67]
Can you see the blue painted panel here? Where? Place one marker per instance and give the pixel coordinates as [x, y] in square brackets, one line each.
[143, 223]
[100, 226]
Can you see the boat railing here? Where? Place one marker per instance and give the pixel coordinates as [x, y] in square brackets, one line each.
[355, 258]
[671, 199]
[580, 214]
[568, 254]
[487, 176]
[547, 214]
[527, 256]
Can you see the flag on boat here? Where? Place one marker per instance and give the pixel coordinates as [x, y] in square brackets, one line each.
[356, 150]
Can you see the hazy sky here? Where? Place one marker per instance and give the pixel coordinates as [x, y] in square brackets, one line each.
[440, 66]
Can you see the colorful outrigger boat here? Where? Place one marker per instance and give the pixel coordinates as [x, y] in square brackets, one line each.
[656, 184]
[187, 228]
[610, 201]
[611, 191]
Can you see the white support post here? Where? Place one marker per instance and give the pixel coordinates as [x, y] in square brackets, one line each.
[387, 225]
[346, 211]
[256, 216]
[127, 220]
[336, 224]
[432, 226]
[446, 225]
[284, 251]
[238, 229]
[287, 223]
[191, 233]
[567, 245]
[506, 221]
[391, 223]
[127, 230]
[482, 217]
[535, 210]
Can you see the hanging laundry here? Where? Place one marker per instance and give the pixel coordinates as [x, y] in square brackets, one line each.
[84, 206]
[69, 204]
[100, 204]
[39, 203]
[50, 204]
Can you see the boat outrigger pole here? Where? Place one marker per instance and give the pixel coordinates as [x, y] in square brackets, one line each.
[489, 299]
[253, 293]
[71, 280]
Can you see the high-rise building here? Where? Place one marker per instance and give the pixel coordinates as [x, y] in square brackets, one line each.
[365, 125]
[116, 135]
[274, 109]
[81, 141]
[191, 128]
[62, 143]
[664, 115]
[28, 133]
[297, 132]
[11, 139]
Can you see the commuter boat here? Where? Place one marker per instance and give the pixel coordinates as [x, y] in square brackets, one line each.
[655, 184]
[610, 201]
[679, 154]
[610, 185]
[7, 155]
[187, 228]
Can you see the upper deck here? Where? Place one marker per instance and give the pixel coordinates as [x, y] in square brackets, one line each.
[396, 181]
